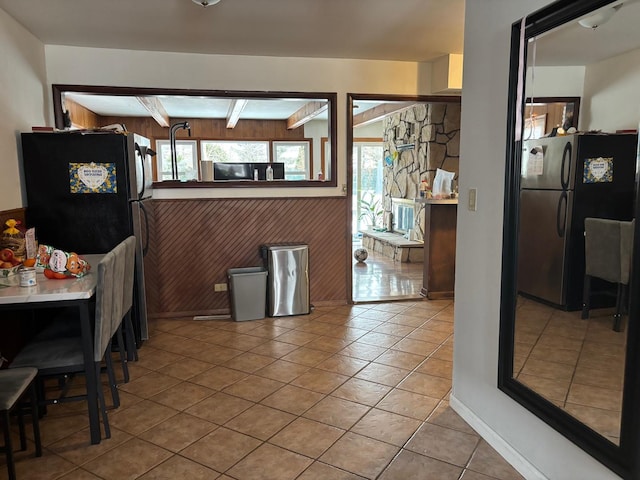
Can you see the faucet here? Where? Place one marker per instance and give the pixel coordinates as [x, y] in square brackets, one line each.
[172, 139]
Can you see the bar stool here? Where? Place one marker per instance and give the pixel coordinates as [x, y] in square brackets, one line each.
[14, 383]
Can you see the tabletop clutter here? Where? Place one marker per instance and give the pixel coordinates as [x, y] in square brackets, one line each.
[21, 255]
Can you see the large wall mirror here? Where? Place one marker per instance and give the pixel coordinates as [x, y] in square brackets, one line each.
[216, 138]
[568, 331]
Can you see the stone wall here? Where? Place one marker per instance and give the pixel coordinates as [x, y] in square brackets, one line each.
[417, 141]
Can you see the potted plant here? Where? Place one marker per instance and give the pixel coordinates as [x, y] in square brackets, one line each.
[370, 208]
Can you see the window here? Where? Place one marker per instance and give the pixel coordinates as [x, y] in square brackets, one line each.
[187, 159]
[295, 156]
[235, 151]
[367, 184]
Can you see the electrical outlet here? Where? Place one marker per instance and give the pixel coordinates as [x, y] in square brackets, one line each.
[473, 199]
[220, 287]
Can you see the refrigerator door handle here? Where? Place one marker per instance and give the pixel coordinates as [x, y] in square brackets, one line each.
[566, 164]
[142, 153]
[145, 247]
[561, 223]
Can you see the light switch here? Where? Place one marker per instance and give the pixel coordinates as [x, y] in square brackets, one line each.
[473, 199]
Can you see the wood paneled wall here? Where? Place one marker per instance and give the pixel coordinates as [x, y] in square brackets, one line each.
[196, 241]
[210, 128]
[81, 116]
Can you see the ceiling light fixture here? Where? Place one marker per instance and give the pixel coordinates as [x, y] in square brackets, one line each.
[599, 18]
[205, 3]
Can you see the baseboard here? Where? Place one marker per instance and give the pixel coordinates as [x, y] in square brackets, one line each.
[517, 461]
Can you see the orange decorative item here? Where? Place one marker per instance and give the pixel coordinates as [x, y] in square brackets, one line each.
[60, 264]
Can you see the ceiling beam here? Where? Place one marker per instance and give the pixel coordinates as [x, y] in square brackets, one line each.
[156, 109]
[235, 109]
[306, 113]
[379, 112]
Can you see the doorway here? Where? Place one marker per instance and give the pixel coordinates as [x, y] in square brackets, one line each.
[389, 140]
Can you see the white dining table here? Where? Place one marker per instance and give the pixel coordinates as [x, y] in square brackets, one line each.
[71, 292]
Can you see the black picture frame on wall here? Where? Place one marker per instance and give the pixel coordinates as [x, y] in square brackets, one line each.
[623, 459]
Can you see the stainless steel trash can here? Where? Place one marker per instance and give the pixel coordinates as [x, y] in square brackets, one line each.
[287, 279]
[248, 289]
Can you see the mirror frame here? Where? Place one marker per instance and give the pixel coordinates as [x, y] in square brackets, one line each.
[623, 458]
[332, 98]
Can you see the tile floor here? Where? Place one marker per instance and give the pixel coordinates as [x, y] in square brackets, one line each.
[576, 364]
[345, 393]
[379, 278]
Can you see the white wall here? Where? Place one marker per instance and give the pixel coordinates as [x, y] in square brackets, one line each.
[612, 94]
[92, 66]
[23, 101]
[536, 448]
[555, 81]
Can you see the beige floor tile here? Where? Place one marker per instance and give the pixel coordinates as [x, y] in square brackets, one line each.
[337, 412]
[328, 344]
[260, 422]
[178, 432]
[437, 368]
[244, 342]
[385, 374]
[218, 378]
[128, 461]
[48, 467]
[320, 380]
[342, 364]
[441, 443]
[360, 455]
[558, 355]
[292, 399]
[434, 387]
[282, 371]
[185, 369]
[431, 336]
[307, 356]
[322, 471]
[77, 448]
[363, 351]
[397, 358]
[439, 325]
[487, 461]
[394, 329]
[411, 465]
[79, 474]
[221, 449]
[386, 426]
[361, 391]
[178, 467]
[186, 346]
[268, 331]
[274, 348]
[445, 416]
[307, 437]
[605, 422]
[140, 417]
[269, 462]
[550, 389]
[604, 398]
[551, 370]
[471, 475]
[444, 352]
[253, 388]
[183, 395]
[219, 408]
[54, 428]
[297, 337]
[249, 362]
[216, 354]
[379, 339]
[409, 319]
[149, 385]
[417, 347]
[409, 404]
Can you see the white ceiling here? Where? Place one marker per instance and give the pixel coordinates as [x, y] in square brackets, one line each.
[408, 30]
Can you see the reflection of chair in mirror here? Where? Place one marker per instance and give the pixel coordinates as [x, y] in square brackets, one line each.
[608, 247]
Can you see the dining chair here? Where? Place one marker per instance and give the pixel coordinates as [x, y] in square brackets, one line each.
[14, 385]
[64, 356]
[123, 301]
[608, 249]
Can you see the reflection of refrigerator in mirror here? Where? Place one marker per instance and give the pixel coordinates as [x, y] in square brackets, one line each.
[564, 180]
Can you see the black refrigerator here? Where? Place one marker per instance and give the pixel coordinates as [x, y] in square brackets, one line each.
[564, 180]
[86, 192]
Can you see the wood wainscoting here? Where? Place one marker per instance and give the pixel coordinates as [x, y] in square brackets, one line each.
[194, 242]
